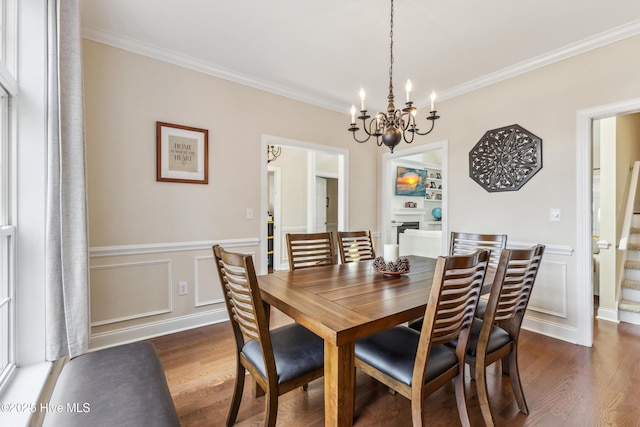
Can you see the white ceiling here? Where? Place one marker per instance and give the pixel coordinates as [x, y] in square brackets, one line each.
[323, 51]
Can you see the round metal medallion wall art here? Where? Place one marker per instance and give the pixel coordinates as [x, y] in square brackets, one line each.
[505, 159]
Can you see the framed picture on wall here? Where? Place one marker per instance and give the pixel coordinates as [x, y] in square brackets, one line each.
[182, 154]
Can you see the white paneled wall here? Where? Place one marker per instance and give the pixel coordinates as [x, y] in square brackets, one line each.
[135, 289]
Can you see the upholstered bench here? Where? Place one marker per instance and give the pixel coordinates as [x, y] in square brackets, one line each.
[118, 386]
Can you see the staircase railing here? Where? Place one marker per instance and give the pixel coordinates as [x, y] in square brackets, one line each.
[631, 201]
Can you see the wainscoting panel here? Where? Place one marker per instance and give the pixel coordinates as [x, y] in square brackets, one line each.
[549, 294]
[135, 289]
[207, 283]
[129, 291]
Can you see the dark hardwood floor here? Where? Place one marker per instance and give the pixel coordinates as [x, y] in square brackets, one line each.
[565, 385]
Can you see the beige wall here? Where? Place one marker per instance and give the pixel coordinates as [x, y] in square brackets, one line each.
[545, 102]
[148, 236]
[127, 93]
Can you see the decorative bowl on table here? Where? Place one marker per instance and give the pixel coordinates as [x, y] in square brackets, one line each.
[392, 268]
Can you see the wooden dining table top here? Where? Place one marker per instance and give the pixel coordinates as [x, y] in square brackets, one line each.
[345, 302]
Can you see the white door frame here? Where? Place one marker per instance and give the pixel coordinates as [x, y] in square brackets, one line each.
[343, 186]
[277, 208]
[388, 178]
[584, 252]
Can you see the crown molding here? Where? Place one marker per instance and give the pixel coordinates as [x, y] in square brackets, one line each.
[611, 36]
[162, 54]
[181, 60]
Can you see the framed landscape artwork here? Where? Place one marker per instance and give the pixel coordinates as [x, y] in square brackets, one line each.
[182, 154]
[411, 182]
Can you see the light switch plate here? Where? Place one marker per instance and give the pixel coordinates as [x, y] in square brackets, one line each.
[554, 215]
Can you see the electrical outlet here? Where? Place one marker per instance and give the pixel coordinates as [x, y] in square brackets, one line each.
[249, 213]
[554, 215]
[183, 288]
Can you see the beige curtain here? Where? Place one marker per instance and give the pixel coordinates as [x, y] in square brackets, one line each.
[67, 282]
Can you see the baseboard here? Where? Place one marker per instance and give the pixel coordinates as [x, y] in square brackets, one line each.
[607, 314]
[550, 329]
[156, 329]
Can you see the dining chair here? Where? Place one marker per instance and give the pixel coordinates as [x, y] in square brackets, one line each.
[466, 243]
[279, 360]
[355, 246]
[495, 337]
[416, 364]
[461, 243]
[310, 250]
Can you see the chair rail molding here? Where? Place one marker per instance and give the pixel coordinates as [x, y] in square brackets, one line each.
[106, 251]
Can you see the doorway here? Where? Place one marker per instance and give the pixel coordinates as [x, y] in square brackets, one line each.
[298, 203]
[326, 204]
[584, 218]
[392, 213]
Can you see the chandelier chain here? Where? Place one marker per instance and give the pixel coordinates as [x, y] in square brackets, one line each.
[393, 125]
[391, 49]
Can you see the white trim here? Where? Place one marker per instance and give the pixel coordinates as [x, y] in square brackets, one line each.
[311, 192]
[25, 387]
[277, 212]
[610, 315]
[162, 54]
[562, 250]
[156, 329]
[551, 329]
[584, 254]
[611, 36]
[179, 59]
[106, 251]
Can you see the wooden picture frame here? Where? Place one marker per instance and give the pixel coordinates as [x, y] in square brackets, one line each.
[182, 154]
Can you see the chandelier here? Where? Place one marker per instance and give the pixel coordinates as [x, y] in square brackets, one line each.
[394, 125]
[273, 153]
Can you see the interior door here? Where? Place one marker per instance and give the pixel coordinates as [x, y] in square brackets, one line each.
[321, 204]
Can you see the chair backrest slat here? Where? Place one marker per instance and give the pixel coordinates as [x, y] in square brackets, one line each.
[460, 287]
[310, 250]
[355, 246]
[243, 301]
[516, 281]
[466, 243]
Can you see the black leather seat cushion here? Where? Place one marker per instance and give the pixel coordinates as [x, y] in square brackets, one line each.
[482, 308]
[296, 350]
[417, 324]
[498, 338]
[393, 352]
[118, 386]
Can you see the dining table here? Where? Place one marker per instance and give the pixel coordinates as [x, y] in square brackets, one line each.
[343, 303]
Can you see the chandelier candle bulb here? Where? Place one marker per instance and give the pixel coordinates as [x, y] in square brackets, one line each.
[408, 89]
[353, 114]
[433, 101]
[362, 100]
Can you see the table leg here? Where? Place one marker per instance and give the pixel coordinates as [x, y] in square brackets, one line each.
[339, 384]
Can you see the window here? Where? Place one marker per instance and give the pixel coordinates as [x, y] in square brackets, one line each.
[8, 87]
